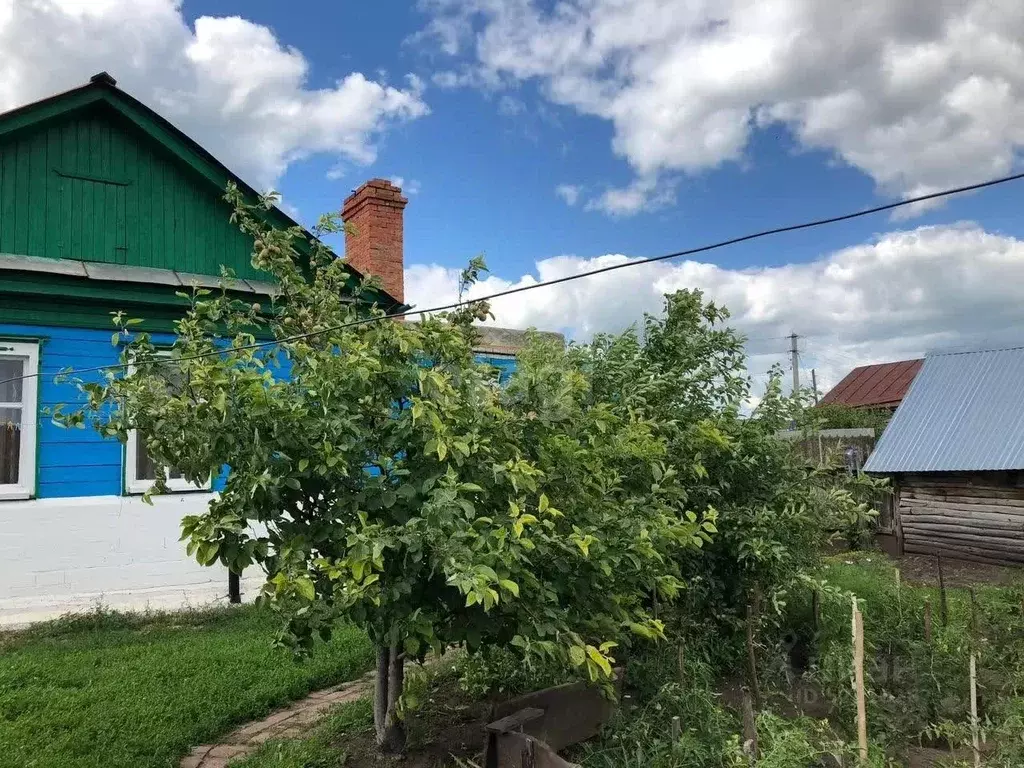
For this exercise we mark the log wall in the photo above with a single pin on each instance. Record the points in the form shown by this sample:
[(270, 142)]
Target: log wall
[(973, 516)]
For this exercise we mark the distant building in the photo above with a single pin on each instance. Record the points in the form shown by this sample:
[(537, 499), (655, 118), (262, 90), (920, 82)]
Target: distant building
[(955, 453), (879, 386)]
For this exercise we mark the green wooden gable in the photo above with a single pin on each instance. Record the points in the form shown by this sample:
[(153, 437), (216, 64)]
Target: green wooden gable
[(90, 186), (94, 177)]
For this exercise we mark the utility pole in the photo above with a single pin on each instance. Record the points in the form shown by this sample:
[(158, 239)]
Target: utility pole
[(821, 446), (795, 353)]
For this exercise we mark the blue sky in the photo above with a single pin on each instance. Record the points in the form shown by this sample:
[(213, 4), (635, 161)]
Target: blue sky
[(674, 123), (487, 178)]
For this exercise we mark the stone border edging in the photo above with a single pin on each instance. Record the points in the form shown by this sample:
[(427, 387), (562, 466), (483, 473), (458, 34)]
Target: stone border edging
[(291, 722)]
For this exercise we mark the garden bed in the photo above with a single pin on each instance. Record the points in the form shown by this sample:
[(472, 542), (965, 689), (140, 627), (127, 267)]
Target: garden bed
[(806, 715)]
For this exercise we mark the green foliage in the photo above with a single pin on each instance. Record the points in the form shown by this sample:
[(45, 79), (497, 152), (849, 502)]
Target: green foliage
[(803, 741), (640, 735), (773, 513), (495, 670), (837, 416), (379, 476), (114, 690)]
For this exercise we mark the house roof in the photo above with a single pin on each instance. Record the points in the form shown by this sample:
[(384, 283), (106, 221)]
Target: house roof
[(881, 385), (508, 341), (102, 90), (964, 412)]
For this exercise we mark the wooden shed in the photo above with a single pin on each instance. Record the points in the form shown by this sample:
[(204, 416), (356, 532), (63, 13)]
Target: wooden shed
[(954, 451)]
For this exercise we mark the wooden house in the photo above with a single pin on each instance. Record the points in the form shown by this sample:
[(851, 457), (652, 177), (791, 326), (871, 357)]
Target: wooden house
[(106, 206), (955, 453)]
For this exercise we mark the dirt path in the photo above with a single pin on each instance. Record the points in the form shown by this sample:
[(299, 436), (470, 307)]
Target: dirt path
[(923, 570), (291, 722)]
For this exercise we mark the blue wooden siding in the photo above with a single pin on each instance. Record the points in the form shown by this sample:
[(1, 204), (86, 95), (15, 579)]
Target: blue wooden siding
[(70, 462), (505, 365), (78, 462)]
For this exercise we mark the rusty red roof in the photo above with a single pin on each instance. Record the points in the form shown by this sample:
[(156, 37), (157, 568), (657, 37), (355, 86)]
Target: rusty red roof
[(874, 386)]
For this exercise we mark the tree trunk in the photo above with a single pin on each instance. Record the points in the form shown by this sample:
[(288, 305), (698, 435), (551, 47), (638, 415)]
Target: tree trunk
[(234, 588), (387, 689)]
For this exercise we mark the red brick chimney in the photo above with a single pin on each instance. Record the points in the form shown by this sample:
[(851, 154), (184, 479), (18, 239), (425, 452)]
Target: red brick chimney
[(375, 248)]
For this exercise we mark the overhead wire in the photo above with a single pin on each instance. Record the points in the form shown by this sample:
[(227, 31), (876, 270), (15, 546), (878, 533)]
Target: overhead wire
[(560, 280)]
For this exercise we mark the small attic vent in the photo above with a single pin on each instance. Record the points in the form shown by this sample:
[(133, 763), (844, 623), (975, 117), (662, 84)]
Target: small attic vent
[(104, 78)]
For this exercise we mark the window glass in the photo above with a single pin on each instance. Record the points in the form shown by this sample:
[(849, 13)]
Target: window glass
[(11, 393)]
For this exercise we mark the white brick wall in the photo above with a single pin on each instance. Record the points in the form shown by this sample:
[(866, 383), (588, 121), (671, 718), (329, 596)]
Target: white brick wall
[(69, 555)]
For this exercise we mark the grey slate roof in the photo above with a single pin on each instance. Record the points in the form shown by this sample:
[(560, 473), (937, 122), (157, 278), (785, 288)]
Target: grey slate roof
[(964, 412), (128, 274)]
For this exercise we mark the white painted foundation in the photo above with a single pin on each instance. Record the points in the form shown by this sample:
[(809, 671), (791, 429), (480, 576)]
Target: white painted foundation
[(60, 556)]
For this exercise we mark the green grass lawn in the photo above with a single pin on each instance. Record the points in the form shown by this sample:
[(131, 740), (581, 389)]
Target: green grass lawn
[(138, 691)]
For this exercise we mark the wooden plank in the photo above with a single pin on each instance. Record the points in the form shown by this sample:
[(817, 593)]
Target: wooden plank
[(52, 218), (37, 196), (916, 548), (7, 174), (129, 160), (515, 721), (858, 671), (958, 540), (964, 490), (927, 545), (160, 216), (968, 518), (967, 537), (22, 205), (978, 498), (77, 211), (913, 505), (934, 522), (68, 145), (90, 246)]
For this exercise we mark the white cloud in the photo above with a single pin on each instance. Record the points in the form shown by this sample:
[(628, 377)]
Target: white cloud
[(918, 95), (570, 193), (895, 298), (642, 194), (227, 82), (409, 187)]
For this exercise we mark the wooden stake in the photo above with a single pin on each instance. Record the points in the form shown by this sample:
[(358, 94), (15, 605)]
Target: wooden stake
[(753, 612), (858, 673), (853, 642), (749, 728), (677, 729), (974, 614), (928, 621), (816, 611), (975, 741), (943, 607)]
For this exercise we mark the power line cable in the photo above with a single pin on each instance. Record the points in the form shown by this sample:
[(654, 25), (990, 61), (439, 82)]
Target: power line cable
[(569, 278)]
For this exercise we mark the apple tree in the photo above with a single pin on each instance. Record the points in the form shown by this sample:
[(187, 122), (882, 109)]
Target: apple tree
[(379, 475)]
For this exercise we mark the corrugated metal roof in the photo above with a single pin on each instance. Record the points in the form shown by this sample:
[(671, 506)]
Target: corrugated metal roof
[(964, 412), (881, 385)]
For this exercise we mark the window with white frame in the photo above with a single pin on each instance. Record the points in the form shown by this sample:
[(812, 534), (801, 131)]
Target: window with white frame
[(19, 417), (139, 467)]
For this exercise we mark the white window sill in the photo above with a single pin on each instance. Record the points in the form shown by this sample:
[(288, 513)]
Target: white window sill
[(139, 488), (14, 493)]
